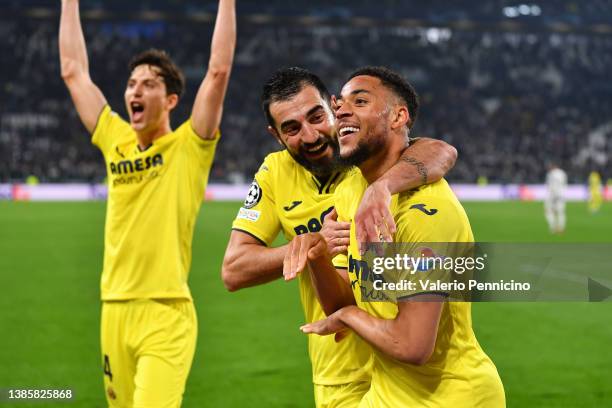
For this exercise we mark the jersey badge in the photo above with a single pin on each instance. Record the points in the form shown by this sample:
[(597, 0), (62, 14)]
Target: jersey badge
[(253, 196)]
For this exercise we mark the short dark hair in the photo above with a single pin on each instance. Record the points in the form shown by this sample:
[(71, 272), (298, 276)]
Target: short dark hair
[(285, 84), (396, 84), (168, 70)]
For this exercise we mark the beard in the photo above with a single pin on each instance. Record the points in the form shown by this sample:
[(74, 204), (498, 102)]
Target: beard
[(324, 166), (366, 148)]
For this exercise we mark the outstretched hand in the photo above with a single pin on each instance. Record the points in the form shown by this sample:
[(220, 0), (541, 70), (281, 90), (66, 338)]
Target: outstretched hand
[(303, 248), (330, 325)]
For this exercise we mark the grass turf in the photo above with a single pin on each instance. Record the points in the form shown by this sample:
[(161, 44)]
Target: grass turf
[(250, 352)]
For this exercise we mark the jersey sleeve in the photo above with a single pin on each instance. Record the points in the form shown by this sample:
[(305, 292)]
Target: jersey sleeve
[(198, 155), (435, 232), (201, 151), (258, 216), (433, 219), (109, 127)]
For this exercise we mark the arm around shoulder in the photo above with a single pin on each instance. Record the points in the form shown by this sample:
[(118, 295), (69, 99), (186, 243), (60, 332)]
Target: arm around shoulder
[(432, 158)]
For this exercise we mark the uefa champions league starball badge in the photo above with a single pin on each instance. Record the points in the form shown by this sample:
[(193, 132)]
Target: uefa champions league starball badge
[(253, 196)]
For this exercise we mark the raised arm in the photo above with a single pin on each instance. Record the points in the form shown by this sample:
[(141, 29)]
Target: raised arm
[(87, 97), (208, 105), (425, 161)]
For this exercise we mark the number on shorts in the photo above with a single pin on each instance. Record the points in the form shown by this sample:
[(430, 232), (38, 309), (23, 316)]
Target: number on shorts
[(107, 367)]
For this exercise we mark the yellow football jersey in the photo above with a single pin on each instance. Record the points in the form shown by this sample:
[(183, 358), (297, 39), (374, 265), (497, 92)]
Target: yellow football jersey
[(459, 373), (286, 197), (153, 200), (594, 181)]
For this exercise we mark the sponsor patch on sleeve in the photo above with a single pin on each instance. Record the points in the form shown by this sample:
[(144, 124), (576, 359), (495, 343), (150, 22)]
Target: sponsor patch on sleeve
[(246, 214)]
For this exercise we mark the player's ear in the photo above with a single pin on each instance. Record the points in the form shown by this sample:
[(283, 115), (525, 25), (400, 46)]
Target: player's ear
[(171, 101), (274, 133), (334, 103), (401, 117)]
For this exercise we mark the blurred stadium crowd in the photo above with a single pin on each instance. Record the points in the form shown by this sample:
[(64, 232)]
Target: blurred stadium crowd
[(510, 98)]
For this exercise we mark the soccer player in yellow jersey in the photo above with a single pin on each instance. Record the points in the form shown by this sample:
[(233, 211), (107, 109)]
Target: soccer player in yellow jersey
[(595, 195), (293, 193), (425, 351), (156, 181)]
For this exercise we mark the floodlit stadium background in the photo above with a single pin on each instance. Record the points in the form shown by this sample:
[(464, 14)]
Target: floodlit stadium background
[(512, 85)]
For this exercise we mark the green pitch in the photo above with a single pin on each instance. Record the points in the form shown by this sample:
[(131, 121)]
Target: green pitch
[(250, 351)]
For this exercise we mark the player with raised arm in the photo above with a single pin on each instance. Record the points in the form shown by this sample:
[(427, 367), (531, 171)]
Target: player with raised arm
[(425, 351), (156, 181), (293, 193)]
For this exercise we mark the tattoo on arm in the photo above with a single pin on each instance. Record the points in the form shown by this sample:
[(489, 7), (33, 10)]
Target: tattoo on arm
[(421, 169)]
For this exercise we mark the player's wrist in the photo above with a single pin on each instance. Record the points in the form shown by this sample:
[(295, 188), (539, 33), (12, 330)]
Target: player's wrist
[(321, 256), (344, 314), (381, 185)]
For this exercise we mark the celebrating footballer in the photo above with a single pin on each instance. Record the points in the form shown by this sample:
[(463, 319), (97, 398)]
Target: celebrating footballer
[(156, 178)]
